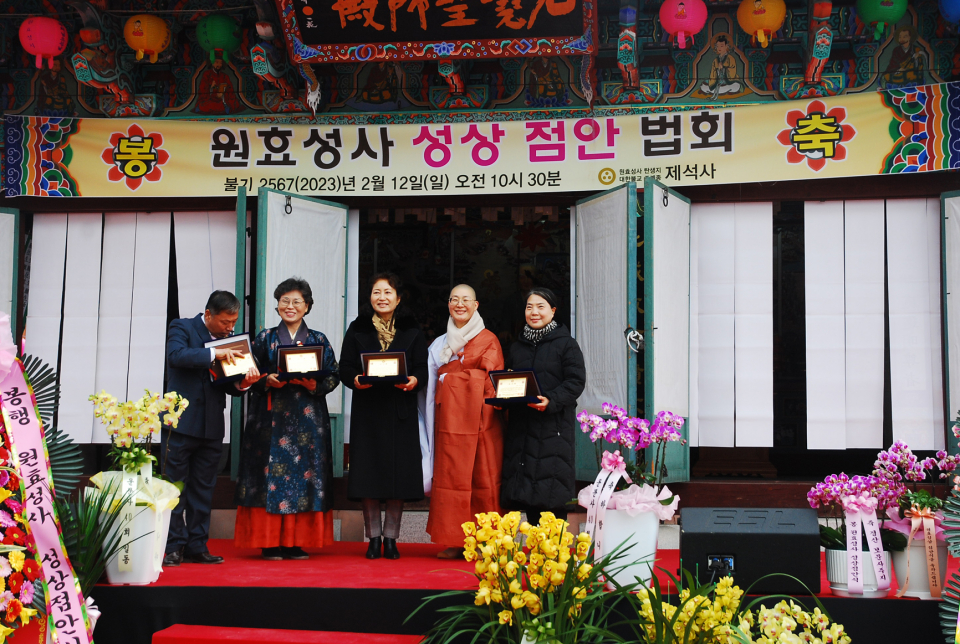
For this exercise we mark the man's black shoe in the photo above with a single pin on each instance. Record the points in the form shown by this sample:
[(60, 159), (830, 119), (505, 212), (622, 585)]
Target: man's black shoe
[(296, 553), (202, 558), (390, 548), (373, 550), (173, 559)]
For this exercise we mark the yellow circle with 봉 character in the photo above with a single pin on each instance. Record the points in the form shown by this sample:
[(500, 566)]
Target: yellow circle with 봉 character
[(607, 176)]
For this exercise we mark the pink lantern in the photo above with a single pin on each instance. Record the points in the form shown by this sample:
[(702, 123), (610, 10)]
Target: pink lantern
[(683, 18), (44, 38)]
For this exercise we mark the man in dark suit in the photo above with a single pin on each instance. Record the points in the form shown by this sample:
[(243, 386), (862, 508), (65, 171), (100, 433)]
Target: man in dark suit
[(191, 450)]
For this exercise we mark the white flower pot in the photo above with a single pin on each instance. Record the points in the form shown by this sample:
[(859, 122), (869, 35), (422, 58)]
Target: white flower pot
[(917, 554), (640, 550), (837, 574), (141, 549), (93, 614)]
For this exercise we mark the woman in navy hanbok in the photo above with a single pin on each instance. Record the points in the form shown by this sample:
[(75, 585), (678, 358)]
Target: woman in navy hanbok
[(285, 483)]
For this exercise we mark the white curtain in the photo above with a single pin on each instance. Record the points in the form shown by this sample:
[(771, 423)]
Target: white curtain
[(81, 305), (844, 256), (913, 279), (826, 362), (601, 260), (731, 307), (951, 228), (293, 250), (8, 270)]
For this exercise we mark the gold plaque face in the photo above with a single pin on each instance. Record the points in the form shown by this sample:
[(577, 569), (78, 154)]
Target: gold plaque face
[(240, 366), (512, 388), (383, 367), (302, 362)]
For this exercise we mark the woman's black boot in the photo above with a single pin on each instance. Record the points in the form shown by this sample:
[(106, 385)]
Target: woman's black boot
[(373, 550), (390, 548)]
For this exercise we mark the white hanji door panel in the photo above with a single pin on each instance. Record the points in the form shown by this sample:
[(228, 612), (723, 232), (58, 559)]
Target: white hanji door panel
[(913, 279), (753, 324), (44, 305), (951, 296), (81, 318), (116, 303), (864, 314), (823, 231)]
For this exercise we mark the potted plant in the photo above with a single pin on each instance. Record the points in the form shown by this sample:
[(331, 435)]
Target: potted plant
[(917, 512), (857, 500), (633, 512), (716, 612), (550, 590), (132, 426)]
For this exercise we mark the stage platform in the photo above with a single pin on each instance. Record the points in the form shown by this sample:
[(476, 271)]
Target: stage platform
[(338, 589)]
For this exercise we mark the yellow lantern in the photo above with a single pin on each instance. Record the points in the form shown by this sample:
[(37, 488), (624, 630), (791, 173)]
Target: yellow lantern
[(761, 18), (146, 34)]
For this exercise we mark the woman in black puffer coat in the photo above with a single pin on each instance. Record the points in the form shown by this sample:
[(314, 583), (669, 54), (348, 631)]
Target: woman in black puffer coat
[(539, 461)]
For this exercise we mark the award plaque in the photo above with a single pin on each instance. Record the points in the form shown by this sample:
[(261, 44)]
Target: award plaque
[(384, 367), (300, 361), (221, 370), (514, 388)]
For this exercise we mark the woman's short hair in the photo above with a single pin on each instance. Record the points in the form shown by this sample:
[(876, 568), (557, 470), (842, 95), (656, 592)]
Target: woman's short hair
[(545, 293), (295, 284), (390, 278)]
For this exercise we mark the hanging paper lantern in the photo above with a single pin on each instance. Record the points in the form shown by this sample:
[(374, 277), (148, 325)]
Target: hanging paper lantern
[(883, 13), (683, 19), (950, 10), (146, 34), (218, 33), (44, 38), (761, 18)]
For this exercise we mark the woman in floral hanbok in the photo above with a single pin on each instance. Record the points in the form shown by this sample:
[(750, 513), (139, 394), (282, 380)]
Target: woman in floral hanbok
[(285, 483)]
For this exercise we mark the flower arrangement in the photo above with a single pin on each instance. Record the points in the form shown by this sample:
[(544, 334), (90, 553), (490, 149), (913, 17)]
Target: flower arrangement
[(634, 435), (714, 613), (549, 590), (136, 420), (19, 568), (838, 489)]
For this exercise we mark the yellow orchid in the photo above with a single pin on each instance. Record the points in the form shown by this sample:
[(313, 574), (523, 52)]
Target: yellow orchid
[(483, 597), (470, 555), (520, 557), (515, 587), (518, 602), (532, 602), (537, 581), (584, 571), (510, 569), (469, 529), (506, 617)]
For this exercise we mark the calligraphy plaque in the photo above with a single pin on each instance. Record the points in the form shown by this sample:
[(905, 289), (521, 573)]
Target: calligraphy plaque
[(512, 388), (327, 31)]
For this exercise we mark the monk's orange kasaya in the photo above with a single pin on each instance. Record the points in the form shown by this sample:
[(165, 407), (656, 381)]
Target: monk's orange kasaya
[(468, 456)]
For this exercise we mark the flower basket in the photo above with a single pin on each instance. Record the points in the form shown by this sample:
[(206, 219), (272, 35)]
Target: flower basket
[(140, 562), (916, 553), (837, 575)]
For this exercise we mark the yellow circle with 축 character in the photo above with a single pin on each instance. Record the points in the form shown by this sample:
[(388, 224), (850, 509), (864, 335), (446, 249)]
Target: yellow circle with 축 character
[(607, 176)]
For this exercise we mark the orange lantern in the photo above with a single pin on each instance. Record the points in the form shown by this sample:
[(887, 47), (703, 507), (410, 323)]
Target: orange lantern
[(146, 34), (761, 18)]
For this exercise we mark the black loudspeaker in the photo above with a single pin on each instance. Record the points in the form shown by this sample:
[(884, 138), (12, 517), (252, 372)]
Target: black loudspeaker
[(749, 543)]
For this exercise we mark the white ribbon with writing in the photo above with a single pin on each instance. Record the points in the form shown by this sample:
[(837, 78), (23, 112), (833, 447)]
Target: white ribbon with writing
[(612, 470), (860, 513)]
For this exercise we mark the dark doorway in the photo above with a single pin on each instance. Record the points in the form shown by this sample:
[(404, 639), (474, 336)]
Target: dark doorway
[(500, 251)]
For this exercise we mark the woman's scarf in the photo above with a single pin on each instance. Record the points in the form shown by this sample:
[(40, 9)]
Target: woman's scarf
[(385, 331), (535, 336), (458, 338)]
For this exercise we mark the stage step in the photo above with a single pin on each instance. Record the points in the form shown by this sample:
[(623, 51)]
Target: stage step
[(187, 634)]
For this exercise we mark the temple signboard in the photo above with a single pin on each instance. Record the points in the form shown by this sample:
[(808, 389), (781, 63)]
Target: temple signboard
[(336, 31)]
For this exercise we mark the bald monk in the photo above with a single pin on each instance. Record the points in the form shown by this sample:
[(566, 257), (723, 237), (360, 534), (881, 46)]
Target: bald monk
[(464, 450)]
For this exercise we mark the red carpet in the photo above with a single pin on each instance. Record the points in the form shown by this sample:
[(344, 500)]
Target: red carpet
[(343, 565), (183, 634)]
